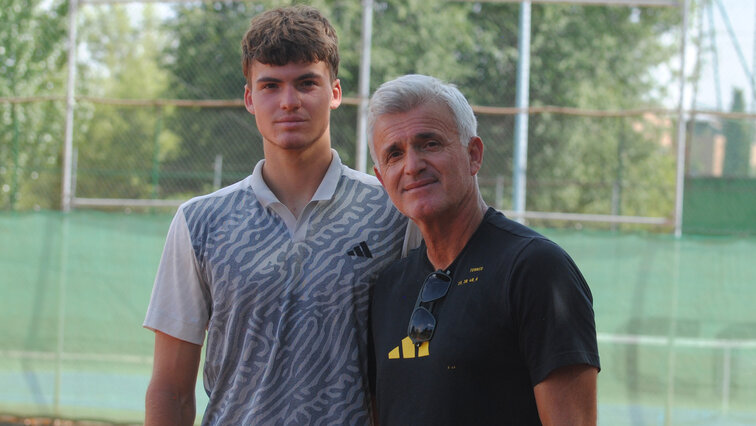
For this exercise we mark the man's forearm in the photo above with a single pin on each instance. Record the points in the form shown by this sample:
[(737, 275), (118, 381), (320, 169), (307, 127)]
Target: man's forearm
[(169, 408)]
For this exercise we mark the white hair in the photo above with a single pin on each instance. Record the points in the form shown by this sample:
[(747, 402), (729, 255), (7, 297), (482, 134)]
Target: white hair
[(410, 91)]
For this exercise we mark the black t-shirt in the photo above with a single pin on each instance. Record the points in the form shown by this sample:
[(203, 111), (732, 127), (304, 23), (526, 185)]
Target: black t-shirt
[(518, 308)]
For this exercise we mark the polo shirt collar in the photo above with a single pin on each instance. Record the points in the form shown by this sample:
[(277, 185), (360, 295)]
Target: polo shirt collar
[(325, 190)]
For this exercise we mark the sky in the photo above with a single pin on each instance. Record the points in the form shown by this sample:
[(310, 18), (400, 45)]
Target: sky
[(742, 18)]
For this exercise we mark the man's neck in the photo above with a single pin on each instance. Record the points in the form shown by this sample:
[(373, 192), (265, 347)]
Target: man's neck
[(446, 237), (294, 176)]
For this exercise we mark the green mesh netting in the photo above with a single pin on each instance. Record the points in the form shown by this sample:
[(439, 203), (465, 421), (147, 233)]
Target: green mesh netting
[(677, 330)]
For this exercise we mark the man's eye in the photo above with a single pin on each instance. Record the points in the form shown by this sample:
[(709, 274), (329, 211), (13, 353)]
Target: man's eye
[(393, 155)]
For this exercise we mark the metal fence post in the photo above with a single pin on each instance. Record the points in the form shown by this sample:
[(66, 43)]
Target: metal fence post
[(156, 151), (364, 85), (218, 172), (16, 150), (681, 126), (521, 120), (66, 197)]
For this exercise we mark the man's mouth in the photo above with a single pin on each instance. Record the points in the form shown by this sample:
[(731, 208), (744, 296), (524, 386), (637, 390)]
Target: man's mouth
[(290, 120), (419, 184)]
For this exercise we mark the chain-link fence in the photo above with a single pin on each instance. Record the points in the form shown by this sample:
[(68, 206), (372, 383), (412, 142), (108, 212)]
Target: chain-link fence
[(155, 112), (137, 106), (676, 331)]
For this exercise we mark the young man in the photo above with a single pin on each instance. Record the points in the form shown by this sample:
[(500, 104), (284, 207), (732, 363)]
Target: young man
[(276, 268), (488, 322)]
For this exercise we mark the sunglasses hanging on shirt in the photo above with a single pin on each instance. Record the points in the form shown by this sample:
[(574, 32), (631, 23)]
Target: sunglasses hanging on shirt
[(422, 323)]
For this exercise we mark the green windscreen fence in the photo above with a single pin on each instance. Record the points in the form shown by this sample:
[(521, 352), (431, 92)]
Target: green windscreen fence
[(720, 205), (675, 317)]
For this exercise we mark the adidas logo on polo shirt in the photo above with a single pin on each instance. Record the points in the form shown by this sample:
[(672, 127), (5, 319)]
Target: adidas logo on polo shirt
[(360, 250)]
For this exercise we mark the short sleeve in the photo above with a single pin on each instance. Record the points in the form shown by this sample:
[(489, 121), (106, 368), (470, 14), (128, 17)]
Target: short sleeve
[(552, 307), (180, 303)]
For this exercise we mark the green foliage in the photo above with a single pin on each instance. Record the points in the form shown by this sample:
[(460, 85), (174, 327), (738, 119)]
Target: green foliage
[(598, 58), (204, 62), (738, 136), (120, 147), (32, 55), (590, 57), (581, 56), (425, 37), (122, 52), (204, 57), (32, 48)]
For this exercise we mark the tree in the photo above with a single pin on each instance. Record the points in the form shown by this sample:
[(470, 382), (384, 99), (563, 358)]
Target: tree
[(738, 135), (32, 59), (120, 147), (600, 58), (205, 63), (581, 56)]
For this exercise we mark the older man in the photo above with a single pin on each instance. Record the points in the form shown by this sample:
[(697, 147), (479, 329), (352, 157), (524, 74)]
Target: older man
[(488, 322)]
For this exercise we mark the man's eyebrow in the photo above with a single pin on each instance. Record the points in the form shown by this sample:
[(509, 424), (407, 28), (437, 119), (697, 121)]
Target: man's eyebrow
[(426, 135), (268, 80), (308, 76), (305, 76), (422, 136)]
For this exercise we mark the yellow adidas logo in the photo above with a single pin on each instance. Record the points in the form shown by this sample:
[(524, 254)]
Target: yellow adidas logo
[(408, 350)]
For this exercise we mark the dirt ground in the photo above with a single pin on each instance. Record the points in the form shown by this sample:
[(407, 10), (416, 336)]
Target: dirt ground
[(6, 420)]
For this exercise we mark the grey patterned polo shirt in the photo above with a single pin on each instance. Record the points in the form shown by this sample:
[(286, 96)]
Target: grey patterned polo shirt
[(284, 300)]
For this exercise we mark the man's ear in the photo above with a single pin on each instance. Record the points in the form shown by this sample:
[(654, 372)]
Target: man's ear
[(378, 174), (336, 98), (248, 100), (475, 151)]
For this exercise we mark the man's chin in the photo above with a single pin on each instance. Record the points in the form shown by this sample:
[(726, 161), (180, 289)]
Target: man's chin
[(293, 144), (421, 211)]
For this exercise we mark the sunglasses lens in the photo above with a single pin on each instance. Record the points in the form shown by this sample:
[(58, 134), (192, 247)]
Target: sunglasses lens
[(436, 286), (422, 324)]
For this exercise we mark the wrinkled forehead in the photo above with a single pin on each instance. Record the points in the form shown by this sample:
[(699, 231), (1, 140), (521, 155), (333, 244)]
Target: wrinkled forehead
[(426, 121)]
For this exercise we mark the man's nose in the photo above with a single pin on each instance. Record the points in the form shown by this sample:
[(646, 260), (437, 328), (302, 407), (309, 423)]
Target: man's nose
[(414, 162), (290, 98)]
